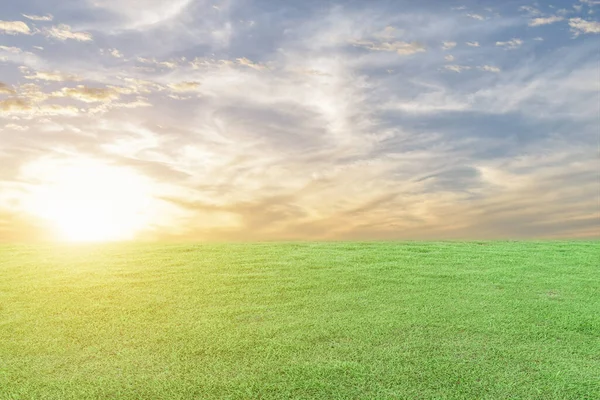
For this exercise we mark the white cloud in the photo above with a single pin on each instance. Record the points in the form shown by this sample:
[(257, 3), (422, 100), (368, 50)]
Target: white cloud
[(48, 17), (530, 10), (591, 2), (448, 45), (457, 68), (14, 27), (538, 39), (172, 64), (402, 48), (511, 44), (142, 85), (53, 76), (449, 57), (250, 64), (545, 21), (476, 16), (11, 49), (579, 26), (64, 32), (115, 53), (489, 68), (184, 86), (473, 44)]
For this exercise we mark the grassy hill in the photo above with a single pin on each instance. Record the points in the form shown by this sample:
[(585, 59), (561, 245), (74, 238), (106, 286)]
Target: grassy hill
[(379, 320)]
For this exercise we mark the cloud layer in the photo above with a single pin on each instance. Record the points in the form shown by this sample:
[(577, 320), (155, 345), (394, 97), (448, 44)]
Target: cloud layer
[(327, 120)]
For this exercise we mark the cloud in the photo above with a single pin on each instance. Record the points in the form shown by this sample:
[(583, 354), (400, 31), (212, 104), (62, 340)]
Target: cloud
[(11, 49), (545, 21), (138, 14), (184, 86), (109, 105), (14, 105), (489, 68), (250, 64), (53, 76), (511, 44), (115, 53), (143, 85), (14, 27), (152, 61), (48, 17), (579, 26), (64, 32), (399, 47), (476, 16), (449, 57), (457, 68), (448, 45), (16, 127), (89, 94), (472, 44), (590, 2), (530, 10), (5, 89)]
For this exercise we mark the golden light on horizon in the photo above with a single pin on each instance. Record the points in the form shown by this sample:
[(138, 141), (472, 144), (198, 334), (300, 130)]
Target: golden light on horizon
[(89, 201)]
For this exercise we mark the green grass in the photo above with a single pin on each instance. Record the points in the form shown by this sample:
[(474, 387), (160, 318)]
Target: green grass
[(381, 320)]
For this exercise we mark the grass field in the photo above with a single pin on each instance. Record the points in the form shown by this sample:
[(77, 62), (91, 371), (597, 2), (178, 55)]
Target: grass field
[(381, 320)]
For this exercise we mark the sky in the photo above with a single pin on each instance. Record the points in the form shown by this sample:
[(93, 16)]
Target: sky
[(299, 120)]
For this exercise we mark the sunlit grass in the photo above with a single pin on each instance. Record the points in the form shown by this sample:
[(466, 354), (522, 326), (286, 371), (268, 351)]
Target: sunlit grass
[(472, 320)]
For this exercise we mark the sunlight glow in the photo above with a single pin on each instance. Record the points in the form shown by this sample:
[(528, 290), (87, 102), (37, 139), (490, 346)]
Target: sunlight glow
[(87, 200)]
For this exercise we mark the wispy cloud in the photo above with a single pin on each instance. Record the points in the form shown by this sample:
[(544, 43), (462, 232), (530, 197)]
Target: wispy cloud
[(457, 68), (531, 10), (545, 21), (476, 16), (11, 49), (489, 68), (510, 44), (65, 32), (399, 47), (14, 27), (88, 94), (53, 76), (184, 86), (40, 18)]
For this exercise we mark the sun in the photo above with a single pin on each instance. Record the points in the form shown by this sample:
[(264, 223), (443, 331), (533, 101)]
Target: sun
[(89, 201)]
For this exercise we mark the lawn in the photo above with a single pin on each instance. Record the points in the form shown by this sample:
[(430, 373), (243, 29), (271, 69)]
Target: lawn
[(373, 320)]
